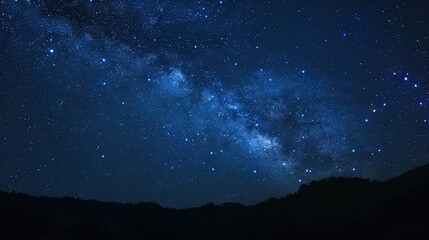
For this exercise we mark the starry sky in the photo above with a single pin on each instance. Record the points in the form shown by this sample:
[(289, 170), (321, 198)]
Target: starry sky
[(187, 102)]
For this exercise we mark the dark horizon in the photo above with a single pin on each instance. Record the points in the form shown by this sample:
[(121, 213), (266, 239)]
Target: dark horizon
[(272, 198), (286, 195), (334, 208)]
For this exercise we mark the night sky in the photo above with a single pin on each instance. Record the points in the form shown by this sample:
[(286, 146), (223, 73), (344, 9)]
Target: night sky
[(188, 102)]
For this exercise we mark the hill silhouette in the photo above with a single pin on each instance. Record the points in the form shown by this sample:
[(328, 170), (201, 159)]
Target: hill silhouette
[(333, 208)]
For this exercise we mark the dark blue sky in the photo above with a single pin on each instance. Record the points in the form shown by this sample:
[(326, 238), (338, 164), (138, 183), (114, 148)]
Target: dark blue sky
[(188, 102)]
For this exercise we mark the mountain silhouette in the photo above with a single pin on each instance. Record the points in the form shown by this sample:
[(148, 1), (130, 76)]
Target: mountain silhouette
[(333, 208)]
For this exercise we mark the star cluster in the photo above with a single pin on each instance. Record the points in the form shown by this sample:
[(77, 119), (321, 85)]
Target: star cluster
[(188, 102)]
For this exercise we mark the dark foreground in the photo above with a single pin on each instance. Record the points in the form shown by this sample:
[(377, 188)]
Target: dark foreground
[(336, 208)]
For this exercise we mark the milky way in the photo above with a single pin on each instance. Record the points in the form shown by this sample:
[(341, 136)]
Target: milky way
[(188, 102)]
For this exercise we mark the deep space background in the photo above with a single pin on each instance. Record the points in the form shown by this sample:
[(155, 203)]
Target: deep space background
[(188, 102)]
